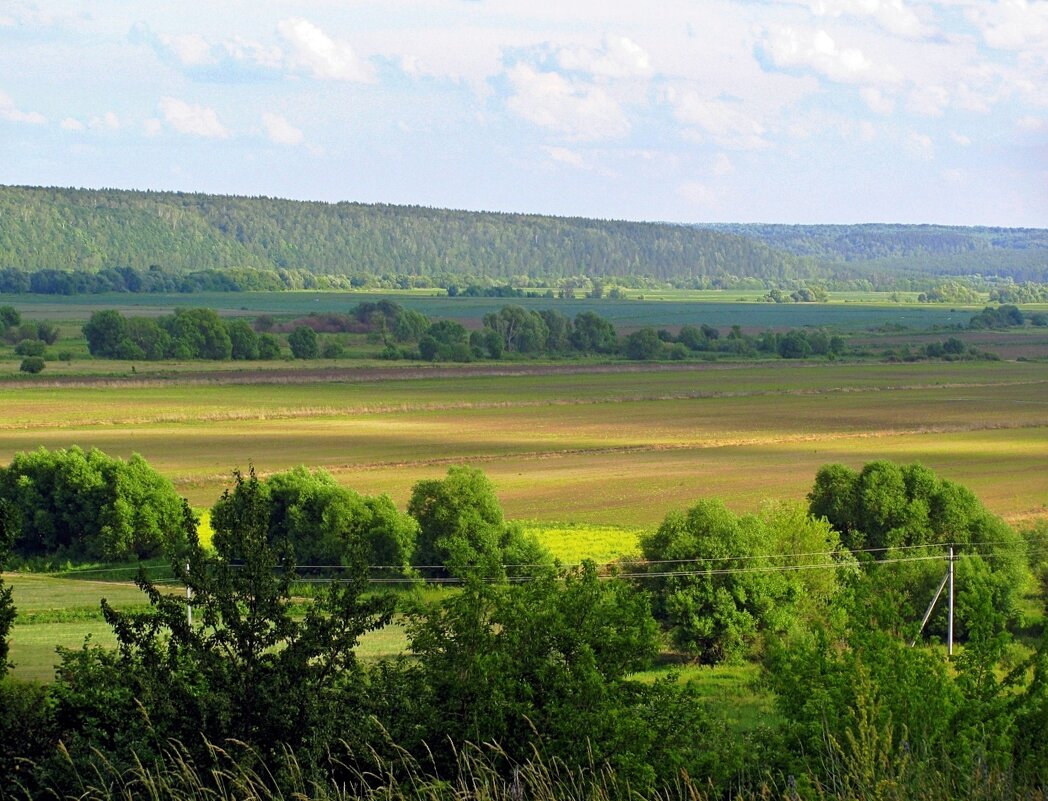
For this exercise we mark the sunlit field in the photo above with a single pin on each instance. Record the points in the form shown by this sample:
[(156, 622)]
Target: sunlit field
[(614, 448)]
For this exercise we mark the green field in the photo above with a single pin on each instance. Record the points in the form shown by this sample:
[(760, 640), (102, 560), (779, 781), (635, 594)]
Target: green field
[(724, 308)]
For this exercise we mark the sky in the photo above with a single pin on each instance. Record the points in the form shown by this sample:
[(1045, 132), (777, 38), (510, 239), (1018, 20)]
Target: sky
[(788, 111)]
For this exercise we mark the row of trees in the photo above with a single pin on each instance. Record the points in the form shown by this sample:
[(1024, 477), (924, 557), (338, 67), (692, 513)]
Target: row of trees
[(187, 334), (544, 669)]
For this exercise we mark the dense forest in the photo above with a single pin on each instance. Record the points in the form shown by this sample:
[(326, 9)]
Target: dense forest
[(1017, 253), (89, 231)]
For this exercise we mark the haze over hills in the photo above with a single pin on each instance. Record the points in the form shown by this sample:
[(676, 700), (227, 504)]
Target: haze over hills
[(92, 230)]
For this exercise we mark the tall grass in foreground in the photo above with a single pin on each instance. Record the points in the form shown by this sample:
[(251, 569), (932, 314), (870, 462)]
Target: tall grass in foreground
[(484, 773)]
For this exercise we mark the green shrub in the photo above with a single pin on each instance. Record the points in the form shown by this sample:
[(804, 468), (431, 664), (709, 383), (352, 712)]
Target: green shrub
[(32, 365)]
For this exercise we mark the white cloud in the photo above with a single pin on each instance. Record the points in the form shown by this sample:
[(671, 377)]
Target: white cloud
[(789, 48), (320, 56), (619, 57), (281, 131), (192, 50), (928, 100), (563, 155), (578, 110), (10, 112), (107, 122), (1031, 124), (192, 119), (722, 165), (699, 194), (920, 145), (726, 123), (892, 15), (877, 101), (960, 139), (1011, 24), (71, 124), (152, 127), (954, 176)]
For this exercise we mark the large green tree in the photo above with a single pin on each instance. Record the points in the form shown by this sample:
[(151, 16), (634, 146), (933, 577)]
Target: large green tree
[(717, 579), (252, 673), (86, 504), (322, 522), (461, 526), (888, 511)]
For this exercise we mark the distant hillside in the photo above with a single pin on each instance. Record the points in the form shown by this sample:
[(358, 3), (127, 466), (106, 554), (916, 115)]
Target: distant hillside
[(1018, 253), (91, 230)]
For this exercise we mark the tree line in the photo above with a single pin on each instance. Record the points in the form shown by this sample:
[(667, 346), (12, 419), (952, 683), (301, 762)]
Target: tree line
[(539, 661)]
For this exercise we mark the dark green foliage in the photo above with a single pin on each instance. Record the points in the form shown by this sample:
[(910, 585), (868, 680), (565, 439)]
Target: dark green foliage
[(520, 330), (30, 347), (591, 333), (146, 334), (8, 531), (644, 345), (1003, 316), (461, 526), (243, 340), (198, 334), (32, 365), (47, 332), (89, 505), (410, 326), (9, 318), (213, 242), (304, 343), (714, 584), (250, 673), (104, 332), (887, 506), (27, 735), (320, 521), (445, 341), (542, 668), (268, 347)]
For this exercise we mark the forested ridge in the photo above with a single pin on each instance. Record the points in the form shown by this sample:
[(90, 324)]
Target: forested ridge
[(1018, 253), (90, 230)]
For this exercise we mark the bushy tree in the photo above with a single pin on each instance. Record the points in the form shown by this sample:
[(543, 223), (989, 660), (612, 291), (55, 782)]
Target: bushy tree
[(521, 331), (268, 347), (445, 341), (591, 333), (887, 506), (243, 340), (716, 584), (304, 343), (105, 330), (644, 345), (322, 522), (251, 674), (198, 334), (32, 365), (543, 668), (461, 526), (79, 504), (410, 326)]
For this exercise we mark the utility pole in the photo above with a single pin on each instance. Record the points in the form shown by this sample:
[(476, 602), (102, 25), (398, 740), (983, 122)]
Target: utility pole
[(949, 632), (947, 579)]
